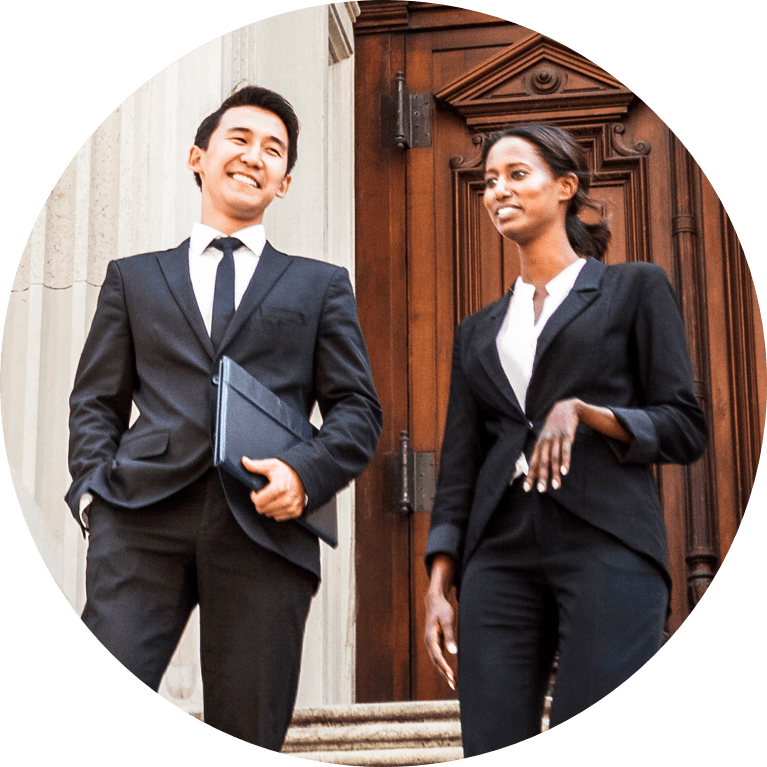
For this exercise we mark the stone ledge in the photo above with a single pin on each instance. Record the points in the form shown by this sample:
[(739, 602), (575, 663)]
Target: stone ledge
[(374, 735), (362, 712), (402, 757)]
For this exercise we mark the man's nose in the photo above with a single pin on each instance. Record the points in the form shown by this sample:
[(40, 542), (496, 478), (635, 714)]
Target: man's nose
[(253, 156)]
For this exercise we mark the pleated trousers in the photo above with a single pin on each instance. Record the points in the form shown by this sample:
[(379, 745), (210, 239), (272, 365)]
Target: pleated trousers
[(544, 581), (147, 569)]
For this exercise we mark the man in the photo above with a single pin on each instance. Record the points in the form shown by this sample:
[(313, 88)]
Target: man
[(162, 537)]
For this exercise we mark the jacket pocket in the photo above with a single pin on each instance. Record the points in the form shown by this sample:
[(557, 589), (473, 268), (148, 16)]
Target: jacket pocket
[(144, 445), (279, 314)]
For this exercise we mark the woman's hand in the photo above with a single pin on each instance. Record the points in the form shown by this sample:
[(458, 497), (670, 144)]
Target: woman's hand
[(550, 460), (439, 634), (551, 455)]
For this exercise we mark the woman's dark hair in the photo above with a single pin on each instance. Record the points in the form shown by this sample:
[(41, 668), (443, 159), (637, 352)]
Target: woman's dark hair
[(252, 96), (562, 153)]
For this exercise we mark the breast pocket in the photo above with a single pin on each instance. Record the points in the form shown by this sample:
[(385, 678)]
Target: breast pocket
[(279, 316)]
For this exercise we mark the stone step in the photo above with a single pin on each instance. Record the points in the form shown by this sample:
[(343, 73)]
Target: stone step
[(370, 734), (394, 757)]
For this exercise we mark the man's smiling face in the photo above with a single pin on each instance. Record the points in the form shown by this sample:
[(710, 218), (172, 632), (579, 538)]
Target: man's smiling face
[(243, 168)]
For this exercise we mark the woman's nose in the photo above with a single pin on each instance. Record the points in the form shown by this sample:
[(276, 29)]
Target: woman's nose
[(500, 188)]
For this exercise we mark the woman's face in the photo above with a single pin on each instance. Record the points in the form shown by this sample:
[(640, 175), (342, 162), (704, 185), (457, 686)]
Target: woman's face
[(522, 196)]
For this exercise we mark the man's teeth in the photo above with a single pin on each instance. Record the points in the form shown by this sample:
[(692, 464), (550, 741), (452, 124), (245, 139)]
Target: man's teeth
[(245, 179)]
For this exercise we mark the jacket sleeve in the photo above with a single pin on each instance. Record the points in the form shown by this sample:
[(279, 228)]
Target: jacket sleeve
[(100, 403), (668, 425), (343, 387), (460, 462)]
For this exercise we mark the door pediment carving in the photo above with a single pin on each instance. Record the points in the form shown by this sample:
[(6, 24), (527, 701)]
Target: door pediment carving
[(536, 80)]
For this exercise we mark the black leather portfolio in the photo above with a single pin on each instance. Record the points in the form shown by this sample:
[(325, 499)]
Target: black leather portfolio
[(253, 421)]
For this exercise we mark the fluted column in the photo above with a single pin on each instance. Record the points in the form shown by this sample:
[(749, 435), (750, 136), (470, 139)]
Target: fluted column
[(701, 532)]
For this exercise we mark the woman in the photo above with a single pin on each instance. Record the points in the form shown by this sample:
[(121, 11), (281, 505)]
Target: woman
[(563, 394)]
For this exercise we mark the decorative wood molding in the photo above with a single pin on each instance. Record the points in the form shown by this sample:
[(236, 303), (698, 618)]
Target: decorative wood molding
[(743, 363), (378, 16), (637, 149), (536, 80), (702, 554)]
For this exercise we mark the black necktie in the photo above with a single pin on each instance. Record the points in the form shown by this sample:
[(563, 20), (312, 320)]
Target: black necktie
[(223, 295)]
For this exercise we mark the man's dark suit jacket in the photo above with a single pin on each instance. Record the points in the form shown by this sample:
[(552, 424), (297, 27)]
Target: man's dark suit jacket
[(296, 330), (617, 340)]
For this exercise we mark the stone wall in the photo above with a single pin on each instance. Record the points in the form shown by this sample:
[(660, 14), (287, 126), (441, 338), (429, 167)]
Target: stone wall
[(128, 190)]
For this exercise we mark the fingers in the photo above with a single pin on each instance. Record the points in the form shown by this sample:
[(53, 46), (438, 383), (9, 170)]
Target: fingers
[(434, 647), (567, 447), (283, 497), (550, 461), (449, 638), (556, 463), (440, 633)]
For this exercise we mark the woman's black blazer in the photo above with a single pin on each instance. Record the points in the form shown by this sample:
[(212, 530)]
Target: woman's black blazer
[(617, 340)]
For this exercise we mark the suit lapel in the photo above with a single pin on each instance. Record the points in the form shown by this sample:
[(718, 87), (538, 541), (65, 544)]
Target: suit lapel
[(584, 292), (488, 351), (271, 266), (175, 267)]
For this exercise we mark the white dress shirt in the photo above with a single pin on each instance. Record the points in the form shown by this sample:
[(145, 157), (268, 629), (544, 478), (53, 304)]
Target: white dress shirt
[(203, 262), (518, 337)]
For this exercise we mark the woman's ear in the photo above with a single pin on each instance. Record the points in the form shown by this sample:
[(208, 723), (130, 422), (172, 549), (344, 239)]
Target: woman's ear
[(568, 186)]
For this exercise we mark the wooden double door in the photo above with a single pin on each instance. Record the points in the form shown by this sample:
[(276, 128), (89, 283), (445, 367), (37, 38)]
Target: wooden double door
[(430, 80)]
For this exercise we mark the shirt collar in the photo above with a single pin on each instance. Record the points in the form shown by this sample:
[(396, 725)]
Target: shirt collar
[(558, 286), (252, 237)]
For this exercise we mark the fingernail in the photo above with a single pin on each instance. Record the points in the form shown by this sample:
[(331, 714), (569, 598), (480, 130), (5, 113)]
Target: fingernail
[(451, 647), (555, 484), (526, 487), (452, 686), (541, 487), (563, 471)]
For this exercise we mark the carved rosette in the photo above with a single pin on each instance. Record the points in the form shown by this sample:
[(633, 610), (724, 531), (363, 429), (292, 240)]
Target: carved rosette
[(544, 79)]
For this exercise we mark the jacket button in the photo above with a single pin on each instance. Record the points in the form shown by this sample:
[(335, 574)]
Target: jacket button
[(215, 379)]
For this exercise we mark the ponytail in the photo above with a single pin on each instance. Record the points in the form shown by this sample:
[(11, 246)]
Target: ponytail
[(587, 239)]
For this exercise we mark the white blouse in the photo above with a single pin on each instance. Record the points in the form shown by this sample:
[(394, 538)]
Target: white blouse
[(518, 337)]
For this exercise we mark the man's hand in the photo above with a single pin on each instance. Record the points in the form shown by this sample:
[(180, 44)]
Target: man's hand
[(283, 498)]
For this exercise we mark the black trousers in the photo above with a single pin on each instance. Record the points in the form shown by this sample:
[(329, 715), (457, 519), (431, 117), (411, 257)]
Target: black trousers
[(543, 581), (146, 571)]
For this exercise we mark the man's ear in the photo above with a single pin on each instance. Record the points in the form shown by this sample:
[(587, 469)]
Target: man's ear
[(193, 161), (568, 186), (284, 186)]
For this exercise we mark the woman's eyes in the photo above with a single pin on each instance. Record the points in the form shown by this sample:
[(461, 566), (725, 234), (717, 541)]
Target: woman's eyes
[(515, 175)]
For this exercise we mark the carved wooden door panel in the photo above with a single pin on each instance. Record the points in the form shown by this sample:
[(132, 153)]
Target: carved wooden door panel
[(427, 255)]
